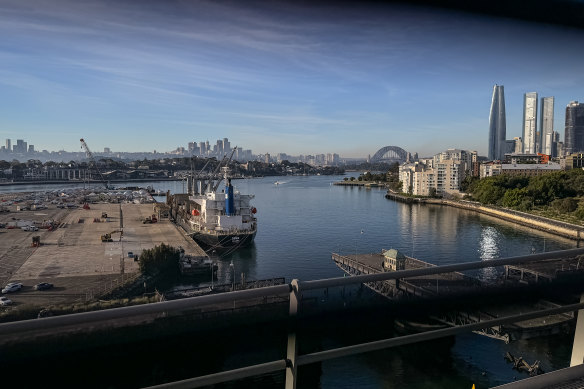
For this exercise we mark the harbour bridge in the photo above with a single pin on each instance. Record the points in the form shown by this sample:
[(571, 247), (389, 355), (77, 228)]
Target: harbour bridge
[(390, 154)]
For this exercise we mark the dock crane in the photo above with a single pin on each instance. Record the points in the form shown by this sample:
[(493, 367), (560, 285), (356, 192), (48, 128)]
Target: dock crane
[(93, 161)]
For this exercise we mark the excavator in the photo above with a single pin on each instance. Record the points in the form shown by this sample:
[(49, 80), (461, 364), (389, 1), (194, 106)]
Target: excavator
[(108, 237)]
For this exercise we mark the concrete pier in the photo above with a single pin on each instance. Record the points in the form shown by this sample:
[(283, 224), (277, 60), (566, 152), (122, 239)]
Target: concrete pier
[(74, 258)]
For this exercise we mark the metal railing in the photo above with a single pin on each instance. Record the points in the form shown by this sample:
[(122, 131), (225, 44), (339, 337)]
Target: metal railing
[(293, 361)]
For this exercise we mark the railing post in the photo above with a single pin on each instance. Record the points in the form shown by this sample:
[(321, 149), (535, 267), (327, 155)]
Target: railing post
[(578, 347), (292, 351)]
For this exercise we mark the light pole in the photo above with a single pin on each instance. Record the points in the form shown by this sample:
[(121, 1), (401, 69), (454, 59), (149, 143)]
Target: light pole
[(211, 264)]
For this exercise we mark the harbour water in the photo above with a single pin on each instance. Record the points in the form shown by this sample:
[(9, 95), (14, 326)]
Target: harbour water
[(305, 218)]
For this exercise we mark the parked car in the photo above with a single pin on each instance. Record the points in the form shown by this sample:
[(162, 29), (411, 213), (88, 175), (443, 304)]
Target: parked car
[(43, 286), (130, 254), (5, 301), (12, 287)]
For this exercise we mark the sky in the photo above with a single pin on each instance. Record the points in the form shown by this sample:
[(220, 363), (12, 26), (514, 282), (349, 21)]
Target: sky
[(290, 77)]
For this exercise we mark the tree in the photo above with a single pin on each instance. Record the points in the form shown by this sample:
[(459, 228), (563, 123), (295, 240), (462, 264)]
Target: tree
[(514, 197), (159, 259)]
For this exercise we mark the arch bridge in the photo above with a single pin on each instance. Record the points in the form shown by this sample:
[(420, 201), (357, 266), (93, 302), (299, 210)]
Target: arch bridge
[(390, 154)]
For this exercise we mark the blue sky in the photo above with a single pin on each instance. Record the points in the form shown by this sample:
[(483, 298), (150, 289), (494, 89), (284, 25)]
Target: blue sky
[(271, 76)]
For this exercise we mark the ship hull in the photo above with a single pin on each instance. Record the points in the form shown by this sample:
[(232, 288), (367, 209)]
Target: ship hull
[(214, 241)]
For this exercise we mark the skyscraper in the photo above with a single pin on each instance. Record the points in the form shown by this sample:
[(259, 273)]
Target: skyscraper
[(546, 125), (574, 135), (8, 145), (529, 122), (497, 125)]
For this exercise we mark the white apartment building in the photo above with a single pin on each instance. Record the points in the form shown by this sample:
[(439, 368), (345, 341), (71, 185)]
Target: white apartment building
[(443, 173)]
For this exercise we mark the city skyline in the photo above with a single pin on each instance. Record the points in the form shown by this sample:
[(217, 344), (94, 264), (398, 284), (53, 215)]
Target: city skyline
[(280, 77)]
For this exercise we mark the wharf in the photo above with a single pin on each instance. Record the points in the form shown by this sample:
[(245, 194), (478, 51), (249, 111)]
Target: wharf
[(456, 284), (426, 286), (73, 257), (367, 184), (545, 271)]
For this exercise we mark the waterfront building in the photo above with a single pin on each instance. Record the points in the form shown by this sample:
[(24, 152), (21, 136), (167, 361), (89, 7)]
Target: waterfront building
[(574, 135), (522, 158), (393, 260), (530, 169), (529, 123), (475, 164), (518, 169), (546, 125), (497, 124), (490, 169), (407, 177), (439, 175)]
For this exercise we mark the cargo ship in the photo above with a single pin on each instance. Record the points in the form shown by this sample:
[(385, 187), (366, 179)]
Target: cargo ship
[(221, 219)]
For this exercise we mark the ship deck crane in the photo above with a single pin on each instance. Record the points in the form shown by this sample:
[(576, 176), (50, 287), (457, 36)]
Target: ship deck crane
[(92, 160), (218, 166)]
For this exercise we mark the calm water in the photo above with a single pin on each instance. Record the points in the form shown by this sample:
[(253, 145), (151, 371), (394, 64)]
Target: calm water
[(303, 219)]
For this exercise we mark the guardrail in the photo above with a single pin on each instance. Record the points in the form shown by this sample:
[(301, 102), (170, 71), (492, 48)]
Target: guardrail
[(293, 361)]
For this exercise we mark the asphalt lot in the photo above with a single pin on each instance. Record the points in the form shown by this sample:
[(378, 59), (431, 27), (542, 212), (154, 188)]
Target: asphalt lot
[(73, 257)]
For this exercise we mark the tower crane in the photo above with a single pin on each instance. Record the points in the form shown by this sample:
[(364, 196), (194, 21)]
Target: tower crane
[(92, 160)]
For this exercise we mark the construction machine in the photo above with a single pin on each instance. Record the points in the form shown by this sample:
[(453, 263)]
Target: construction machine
[(108, 237)]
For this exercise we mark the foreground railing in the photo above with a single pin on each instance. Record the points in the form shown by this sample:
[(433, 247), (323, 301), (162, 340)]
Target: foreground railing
[(293, 360)]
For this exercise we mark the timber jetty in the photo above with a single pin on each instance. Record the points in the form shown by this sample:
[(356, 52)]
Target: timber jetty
[(454, 286)]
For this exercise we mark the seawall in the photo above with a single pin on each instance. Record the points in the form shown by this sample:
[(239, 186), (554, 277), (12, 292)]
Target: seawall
[(568, 230)]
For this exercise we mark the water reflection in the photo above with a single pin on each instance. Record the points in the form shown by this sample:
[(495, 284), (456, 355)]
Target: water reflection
[(489, 249)]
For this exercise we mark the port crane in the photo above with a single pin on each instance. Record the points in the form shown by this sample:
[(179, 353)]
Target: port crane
[(93, 161)]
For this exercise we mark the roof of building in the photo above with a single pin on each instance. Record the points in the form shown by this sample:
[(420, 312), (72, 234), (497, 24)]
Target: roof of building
[(531, 166), (393, 254)]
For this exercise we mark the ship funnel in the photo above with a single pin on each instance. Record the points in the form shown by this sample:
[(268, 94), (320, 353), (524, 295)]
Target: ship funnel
[(229, 203)]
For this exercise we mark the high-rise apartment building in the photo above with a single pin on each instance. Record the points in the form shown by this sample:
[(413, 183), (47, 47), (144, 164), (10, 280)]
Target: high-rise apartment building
[(226, 146), (497, 124), (529, 123), (574, 135), (546, 125), (8, 145)]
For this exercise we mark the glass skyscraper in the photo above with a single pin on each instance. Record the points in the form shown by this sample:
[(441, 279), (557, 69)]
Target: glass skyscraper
[(497, 125), (529, 123), (574, 135), (546, 125)]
